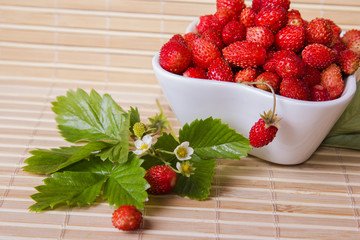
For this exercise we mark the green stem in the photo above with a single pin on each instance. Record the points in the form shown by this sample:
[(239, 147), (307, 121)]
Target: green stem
[(164, 151), (170, 128)]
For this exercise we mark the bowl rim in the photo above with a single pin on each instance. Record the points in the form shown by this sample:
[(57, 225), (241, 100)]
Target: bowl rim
[(349, 89)]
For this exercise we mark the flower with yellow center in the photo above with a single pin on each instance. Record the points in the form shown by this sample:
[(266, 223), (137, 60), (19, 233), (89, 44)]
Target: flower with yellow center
[(185, 168), (142, 145), (183, 151)]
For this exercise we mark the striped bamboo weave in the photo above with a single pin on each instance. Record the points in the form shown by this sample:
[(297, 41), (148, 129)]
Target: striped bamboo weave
[(50, 46)]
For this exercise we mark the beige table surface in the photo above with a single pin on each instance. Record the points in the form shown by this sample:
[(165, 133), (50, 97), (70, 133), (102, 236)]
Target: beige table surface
[(50, 46)]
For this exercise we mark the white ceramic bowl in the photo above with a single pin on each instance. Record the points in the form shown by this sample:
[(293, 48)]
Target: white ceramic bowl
[(303, 127)]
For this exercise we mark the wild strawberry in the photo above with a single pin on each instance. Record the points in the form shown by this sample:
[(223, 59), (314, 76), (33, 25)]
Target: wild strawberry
[(331, 79), (295, 88), (290, 65), (336, 31), (338, 48), (290, 38), (189, 38), (225, 15), (174, 57), (319, 93), (264, 130), (282, 3), (271, 61), (213, 36), (219, 70), (261, 35), (295, 19), (206, 22), (312, 76), (273, 17), (236, 5), (348, 35), (161, 178), (349, 61), (232, 32), (195, 72), (247, 17), (178, 38), (245, 75), (245, 54), (204, 52), (126, 218), (256, 5), (354, 44), (318, 56), (319, 31), (268, 77)]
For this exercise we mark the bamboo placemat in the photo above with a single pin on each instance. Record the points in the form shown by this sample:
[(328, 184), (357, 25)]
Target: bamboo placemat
[(50, 46)]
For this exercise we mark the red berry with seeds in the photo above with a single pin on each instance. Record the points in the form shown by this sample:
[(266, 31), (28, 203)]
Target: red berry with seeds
[(312, 76), (195, 72), (213, 36), (290, 65), (162, 179), (270, 78), (331, 79), (247, 17), (290, 38), (246, 75), (245, 54), (354, 44), (349, 61), (348, 35), (318, 56), (319, 93), (273, 17), (295, 88), (319, 31), (225, 15), (261, 35), (232, 32), (236, 5), (126, 218), (282, 3), (264, 130), (174, 57), (204, 52), (219, 70), (206, 22)]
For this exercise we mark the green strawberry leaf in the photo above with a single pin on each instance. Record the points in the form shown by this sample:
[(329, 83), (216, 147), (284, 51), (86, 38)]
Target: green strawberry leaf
[(134, 116), (210, 138), (351, 141), (49, 161), (83, 117), (198, 185), (126, 184)]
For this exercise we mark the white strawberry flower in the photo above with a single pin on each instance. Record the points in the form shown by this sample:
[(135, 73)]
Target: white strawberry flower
[(142, 145), (183, 151), (185, 168)]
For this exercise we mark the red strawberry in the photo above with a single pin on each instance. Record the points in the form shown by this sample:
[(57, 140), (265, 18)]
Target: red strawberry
[(273, 17), (213, 36), (246, 75), (247, 17), (295, 19), (319, 31), (336, 31), (290, 65), (319, 93), (204, 52), (174, 57), (331, 79), (195, 72), (126, 218), (206, 22), (269, 77), (282, 3), (219, 70), (236, 5), (318, 56), (245, 54), (348, 35), (178, 38), (232, 32), (271, 61), (338, 48), (292, 87), (349, 61), (312, 76), (290, 38), (256, 5), (161, 178), (354, 44), (225, 15), (261, 35), (190, 38), (264, 130)]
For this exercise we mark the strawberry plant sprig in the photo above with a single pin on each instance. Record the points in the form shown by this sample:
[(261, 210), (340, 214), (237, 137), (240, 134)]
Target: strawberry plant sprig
[(113, 151)]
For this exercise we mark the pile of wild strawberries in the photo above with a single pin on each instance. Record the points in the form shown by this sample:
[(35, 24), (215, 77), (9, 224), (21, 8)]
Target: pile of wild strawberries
[(267, 42)]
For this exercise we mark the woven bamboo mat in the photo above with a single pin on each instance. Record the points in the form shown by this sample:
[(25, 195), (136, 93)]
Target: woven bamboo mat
[(50, 46)]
